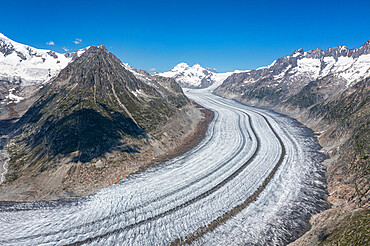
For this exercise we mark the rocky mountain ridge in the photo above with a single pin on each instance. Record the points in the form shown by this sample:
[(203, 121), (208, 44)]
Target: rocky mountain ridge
[(97, 116), (24, 69), (329, 92), (288, 75)]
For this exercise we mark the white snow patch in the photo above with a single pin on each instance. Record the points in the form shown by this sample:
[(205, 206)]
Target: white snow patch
[(357, 70), (272, 64), (282, 74), (12, 97), (32, 65)]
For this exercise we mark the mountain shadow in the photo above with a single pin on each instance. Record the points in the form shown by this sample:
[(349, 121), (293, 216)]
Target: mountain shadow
[(96, 105), (86, 131)]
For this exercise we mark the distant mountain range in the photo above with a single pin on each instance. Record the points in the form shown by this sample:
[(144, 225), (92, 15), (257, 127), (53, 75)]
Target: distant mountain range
[(24, 69), (289, 72), (288, 75), (196, 76)]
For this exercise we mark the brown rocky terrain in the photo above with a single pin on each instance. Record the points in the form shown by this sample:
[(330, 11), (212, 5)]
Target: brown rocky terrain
[(344, 137), (182, 133), (96, 123)]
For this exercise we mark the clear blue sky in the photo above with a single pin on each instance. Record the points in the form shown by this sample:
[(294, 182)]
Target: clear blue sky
[(226, 34)]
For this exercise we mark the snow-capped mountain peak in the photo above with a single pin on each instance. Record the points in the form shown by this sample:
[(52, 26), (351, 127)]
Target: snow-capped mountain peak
[(197, 66), (28, 65), (181, 66), (3, 37), (196, 76), (289, 74), (191, 77), (23, 68)]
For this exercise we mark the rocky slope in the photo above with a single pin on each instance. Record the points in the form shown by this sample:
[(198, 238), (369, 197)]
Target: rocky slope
[(287, 76), (329, 92), (98, 121), (23, 70), (195, 76)]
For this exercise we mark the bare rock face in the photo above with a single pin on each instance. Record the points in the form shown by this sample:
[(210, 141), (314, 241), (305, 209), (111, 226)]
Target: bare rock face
[(286, 76), (329, 92), (97, 114)]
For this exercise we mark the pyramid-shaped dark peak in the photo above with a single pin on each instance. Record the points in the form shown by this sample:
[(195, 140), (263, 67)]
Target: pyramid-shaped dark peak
[(99, 71), (97, 50), (99, 68), (94, 105), (94, 48)]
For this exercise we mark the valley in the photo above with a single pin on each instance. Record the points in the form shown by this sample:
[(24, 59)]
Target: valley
[(95, 151), (190, 191)]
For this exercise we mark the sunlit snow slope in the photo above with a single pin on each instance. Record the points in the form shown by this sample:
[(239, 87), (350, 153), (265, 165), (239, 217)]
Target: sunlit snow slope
[(244, 147), (19, 62), (196, 76), (23, 69)]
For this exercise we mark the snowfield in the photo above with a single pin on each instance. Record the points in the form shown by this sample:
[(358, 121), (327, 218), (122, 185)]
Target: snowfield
[(242, 147), (24, 69), (30, 65), (196, 76)]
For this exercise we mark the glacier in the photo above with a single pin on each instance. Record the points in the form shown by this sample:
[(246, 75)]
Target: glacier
[(173, 199)]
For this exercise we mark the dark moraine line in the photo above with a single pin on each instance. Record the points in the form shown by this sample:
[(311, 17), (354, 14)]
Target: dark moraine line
[(199, 197), (213, 225), (27, 206), (148, 203)]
